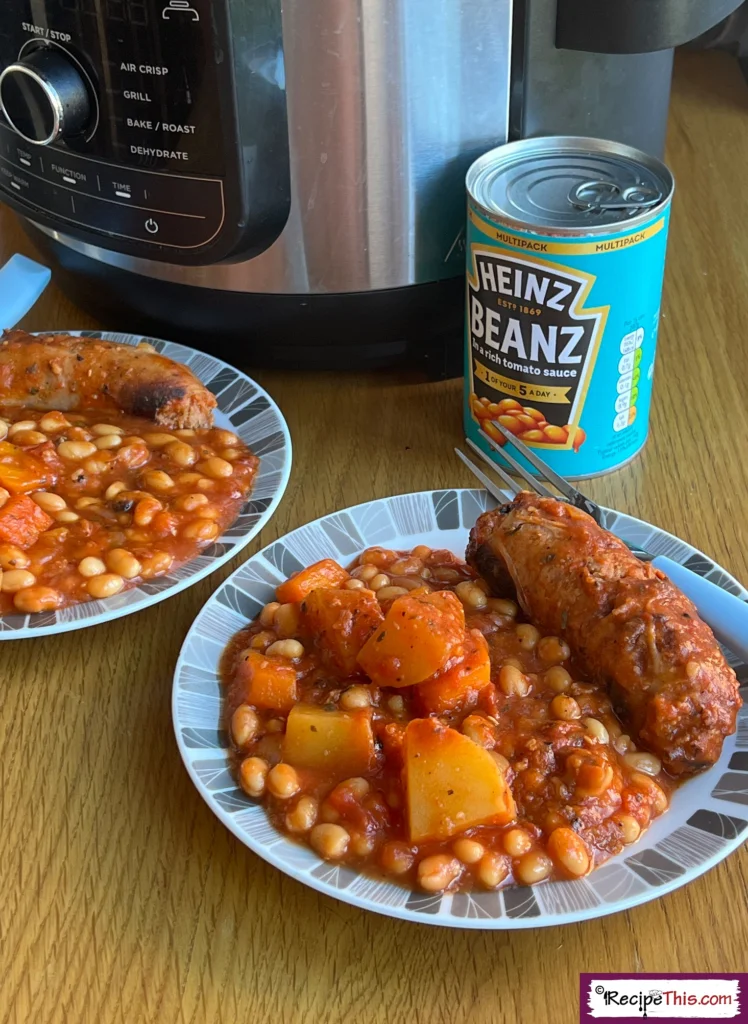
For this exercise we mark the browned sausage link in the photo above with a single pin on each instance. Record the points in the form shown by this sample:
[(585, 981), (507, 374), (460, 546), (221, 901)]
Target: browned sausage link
[(630, 626), (58, 371)]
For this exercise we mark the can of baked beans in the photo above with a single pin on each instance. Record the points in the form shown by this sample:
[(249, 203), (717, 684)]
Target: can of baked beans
[(566, 241)]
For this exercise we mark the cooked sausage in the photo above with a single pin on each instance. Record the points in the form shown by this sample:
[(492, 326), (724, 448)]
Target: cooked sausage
[(624, 620), (57, 371)]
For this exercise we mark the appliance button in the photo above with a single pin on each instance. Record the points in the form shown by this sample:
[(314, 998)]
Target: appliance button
[(179, 7), (44, 97), (151, 226)]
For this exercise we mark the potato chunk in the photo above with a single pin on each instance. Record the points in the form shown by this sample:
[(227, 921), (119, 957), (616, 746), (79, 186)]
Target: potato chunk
[(341, 742), (452, 784)]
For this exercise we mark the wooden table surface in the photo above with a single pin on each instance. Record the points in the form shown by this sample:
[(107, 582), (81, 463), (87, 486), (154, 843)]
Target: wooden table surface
[(123, 899)]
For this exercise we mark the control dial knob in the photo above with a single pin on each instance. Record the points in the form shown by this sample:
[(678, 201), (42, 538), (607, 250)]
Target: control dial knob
[(44, 97)]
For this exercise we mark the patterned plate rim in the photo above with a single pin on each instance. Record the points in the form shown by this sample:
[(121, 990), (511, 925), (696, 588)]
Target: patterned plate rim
[(672, 853), (239, 398)]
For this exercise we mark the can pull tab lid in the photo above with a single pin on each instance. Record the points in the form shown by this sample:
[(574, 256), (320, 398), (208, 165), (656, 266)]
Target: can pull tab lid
[(596, 196)]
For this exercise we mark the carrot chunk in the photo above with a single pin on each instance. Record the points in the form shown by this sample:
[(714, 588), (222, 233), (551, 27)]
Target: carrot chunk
[(22, 521), (458, 685), (340, 622), (325, 574), (265, 682), (418, 637)]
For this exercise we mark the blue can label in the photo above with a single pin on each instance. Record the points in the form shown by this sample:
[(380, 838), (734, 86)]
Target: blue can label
[(560, 339)]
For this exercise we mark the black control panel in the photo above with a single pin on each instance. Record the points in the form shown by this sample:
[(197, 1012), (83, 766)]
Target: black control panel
[(141, 126)]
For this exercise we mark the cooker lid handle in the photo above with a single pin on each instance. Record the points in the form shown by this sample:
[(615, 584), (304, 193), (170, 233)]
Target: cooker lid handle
[(635, 26)]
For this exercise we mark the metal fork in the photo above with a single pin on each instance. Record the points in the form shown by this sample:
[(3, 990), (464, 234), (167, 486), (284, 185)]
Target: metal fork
[(724, 612)]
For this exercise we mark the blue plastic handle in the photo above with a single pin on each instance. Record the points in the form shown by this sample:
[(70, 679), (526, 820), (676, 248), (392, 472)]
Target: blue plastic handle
[(724, 612), (21, 283)]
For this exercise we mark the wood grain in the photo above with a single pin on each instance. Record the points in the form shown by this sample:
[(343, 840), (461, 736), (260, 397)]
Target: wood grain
[(124, 899)]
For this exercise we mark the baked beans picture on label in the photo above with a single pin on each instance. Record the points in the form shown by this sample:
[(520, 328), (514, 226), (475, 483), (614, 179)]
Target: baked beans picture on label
[(526, 423), (112, 471), (405, 717)]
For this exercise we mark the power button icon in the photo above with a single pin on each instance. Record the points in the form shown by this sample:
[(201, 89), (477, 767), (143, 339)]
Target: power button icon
[(151, 226)]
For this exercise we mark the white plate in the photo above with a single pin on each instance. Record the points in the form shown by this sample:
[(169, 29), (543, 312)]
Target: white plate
[(706, 821), (248, 410)]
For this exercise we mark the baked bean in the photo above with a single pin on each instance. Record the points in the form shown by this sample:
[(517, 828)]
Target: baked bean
[(224, 438), (31, 600), (379, 581), (365, 572), (204, 484), (114, 489), (437, 872), (478, 730), (628, 826), (157, 440), (513, 682), (157, 480), (396, 705), (533, 867), (26, 438), (502, 606), (443, 575), (516, 842), (200, 529), (569, 851), (527, 635), (396, 858), (11, 557), (215, 468), (557, 678), (286, 649), (75, 449), (262, 640), (267, 615), (145, 510), (330, 841), (123, 562), (655, 793), (565, 708), (354, 584), (48, 501), (328, 813), (106, 585), (387, 593), (287, 620), (596, 729), (190, 502), (623, 744), (98, 464), (52, 422), (66, 515), (21, 425), (361, 844), (302, 815), (421, 551), (83, 503), (245, 725), (133, 455), (381, 557), (553, 650), (134, 439), (106, 430), (468, 850), (180, 453), (4, 495), (253, 773), (283, 781), (355, 697), (156, 564), (644, 762), (275, 725), (108, 441), (16, 579), (4, 427), (492, 870), (357, 786), (91, 566), (185, 432), (471, 595)]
